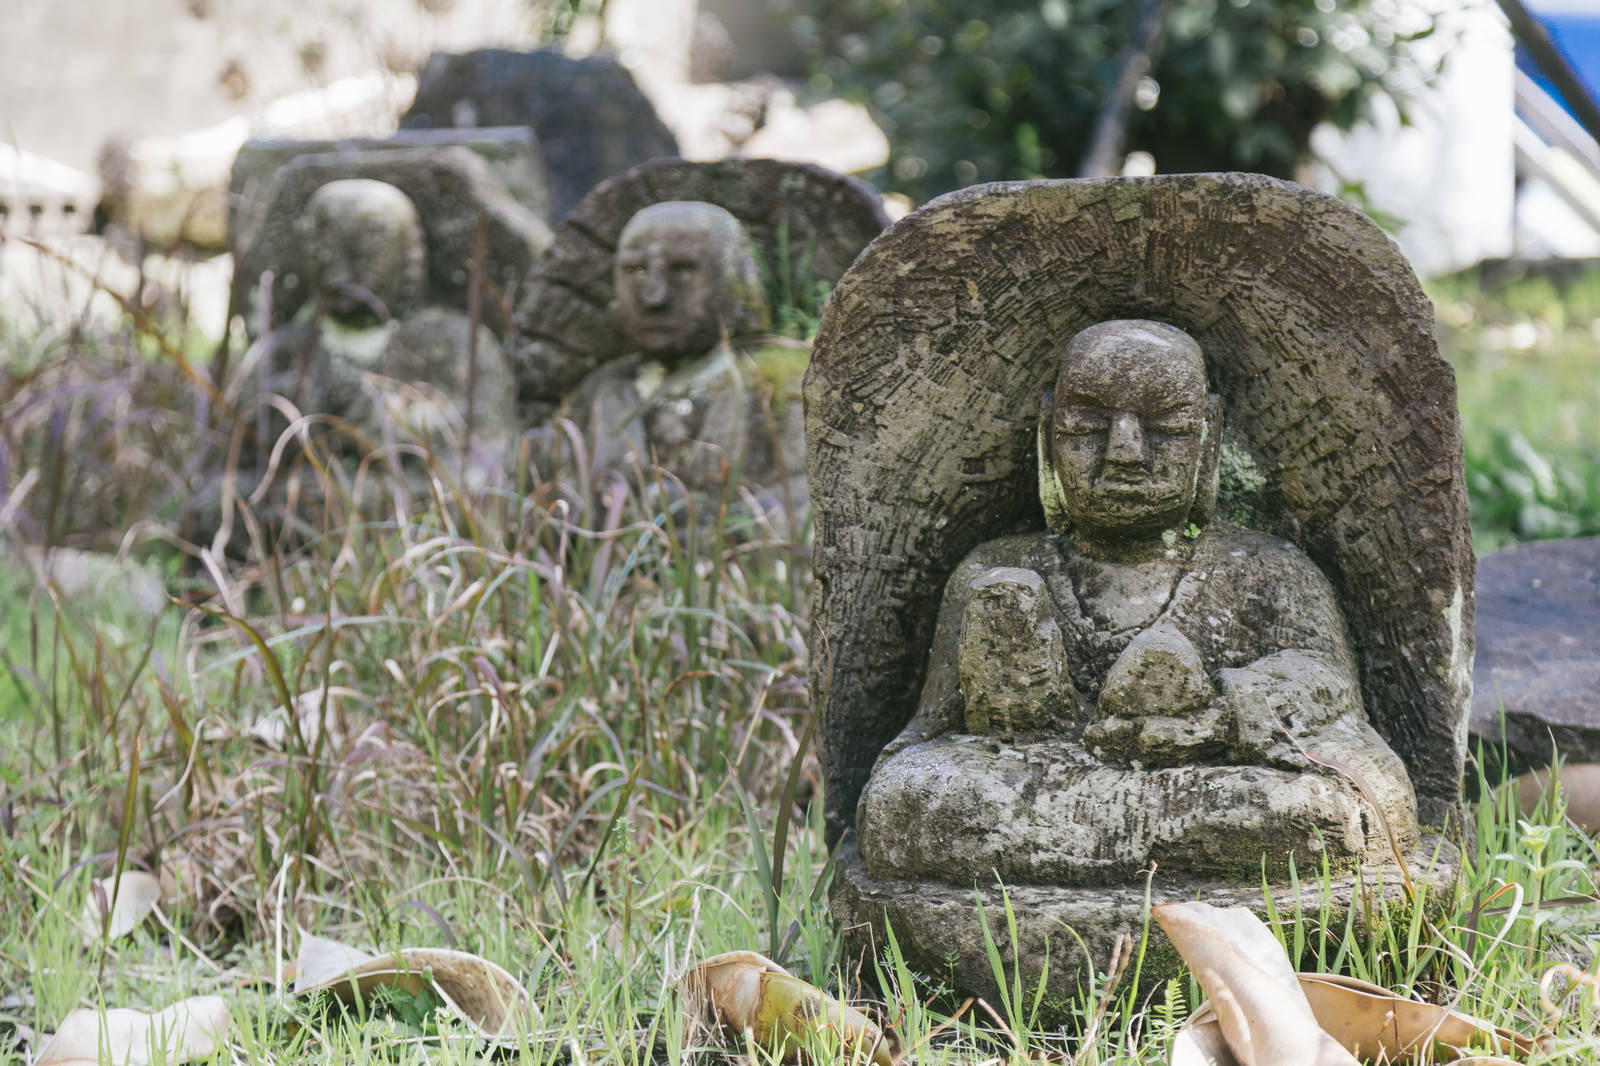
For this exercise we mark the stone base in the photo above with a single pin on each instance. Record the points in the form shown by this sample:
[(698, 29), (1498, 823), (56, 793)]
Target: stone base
[(936, 925)]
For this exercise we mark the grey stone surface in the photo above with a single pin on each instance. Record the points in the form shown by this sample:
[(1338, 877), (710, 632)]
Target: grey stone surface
[(512, 153), (451, 188), (923, 410), (1538, 632), (808, 225), (591, 119)]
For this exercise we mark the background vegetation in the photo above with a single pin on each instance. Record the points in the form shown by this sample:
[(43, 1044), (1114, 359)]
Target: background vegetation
[(1002, 89)]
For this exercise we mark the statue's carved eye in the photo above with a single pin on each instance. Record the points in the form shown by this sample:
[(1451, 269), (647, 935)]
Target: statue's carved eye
[(1173, 424), (1174, 427), (685, 266), (1077, 421), (633, 270)]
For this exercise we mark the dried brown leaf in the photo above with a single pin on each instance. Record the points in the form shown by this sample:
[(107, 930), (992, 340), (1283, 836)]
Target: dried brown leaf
[(749, 993), (1254, 998), (135, 898), (477, 991), (1368, 1018)]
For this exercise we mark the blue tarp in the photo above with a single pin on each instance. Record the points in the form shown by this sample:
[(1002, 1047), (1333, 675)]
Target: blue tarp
[(1575, 28)]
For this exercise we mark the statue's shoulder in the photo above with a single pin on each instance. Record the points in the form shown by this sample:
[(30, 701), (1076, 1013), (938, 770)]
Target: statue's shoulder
[(610, 381), (1250, 558), (1029, 551)]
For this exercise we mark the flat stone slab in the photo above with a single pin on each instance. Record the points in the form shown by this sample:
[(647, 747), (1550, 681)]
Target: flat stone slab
[(936, 926), (452, 188), (1538, 632), (512, 153)]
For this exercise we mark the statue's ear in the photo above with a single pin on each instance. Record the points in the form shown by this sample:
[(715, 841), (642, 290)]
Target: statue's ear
[(1051, 498), (1205, 483)]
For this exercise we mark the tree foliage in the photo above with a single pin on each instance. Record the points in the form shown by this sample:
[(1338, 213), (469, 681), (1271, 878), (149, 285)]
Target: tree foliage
[(982, 90)]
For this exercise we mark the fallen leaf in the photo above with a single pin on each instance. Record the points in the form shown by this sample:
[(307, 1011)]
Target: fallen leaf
[(1254, 998), (1580, 782), (749, 993), (1262, 1013), (321, 960), (190, 1029), (135, 898), (1367, 1018), (483, 995)]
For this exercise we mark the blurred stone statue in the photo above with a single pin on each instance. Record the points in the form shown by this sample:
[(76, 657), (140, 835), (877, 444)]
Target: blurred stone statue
[(686, 398), (364, 349), (1138, 682)]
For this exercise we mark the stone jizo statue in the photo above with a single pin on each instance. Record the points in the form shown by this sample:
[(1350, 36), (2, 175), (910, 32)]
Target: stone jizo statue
[(686, 286), (1143, 570), (1139, 682), (365, 351), (686, 280)]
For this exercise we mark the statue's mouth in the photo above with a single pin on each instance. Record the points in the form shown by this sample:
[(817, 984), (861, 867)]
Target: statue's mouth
[(1122, 486)]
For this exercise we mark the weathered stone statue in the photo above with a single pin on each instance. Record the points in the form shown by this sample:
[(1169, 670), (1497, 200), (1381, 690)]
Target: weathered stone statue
[(645, 317), (1143, 566), (453, 192), (686, 282), (1137, 683), (364, 351)]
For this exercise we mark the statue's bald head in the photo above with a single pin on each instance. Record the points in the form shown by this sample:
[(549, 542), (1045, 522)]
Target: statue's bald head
[(366, 248), (686, 275)]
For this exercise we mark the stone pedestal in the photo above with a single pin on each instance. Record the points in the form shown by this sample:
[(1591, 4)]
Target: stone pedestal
[(939, 935)]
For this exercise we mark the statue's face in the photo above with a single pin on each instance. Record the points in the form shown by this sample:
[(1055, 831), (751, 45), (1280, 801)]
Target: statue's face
[(669, 291), (1128, 429)]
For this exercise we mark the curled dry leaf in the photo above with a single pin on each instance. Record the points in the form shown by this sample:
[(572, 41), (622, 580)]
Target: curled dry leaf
[(190, 1029), (1580, 782), (747, 992), (130, 904), (483, 995), (1369, 1019), (1255, 1001), (1262, 1013)]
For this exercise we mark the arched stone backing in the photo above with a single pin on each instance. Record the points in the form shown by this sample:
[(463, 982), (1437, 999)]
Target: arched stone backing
[(923, 396), (452, 187), (566, 322)]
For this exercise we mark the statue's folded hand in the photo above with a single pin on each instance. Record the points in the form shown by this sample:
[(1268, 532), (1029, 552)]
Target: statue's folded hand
[(1157, 707)]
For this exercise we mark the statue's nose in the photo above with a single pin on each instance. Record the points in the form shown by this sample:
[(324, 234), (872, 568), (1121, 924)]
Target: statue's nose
[(653, 292), (1125, 440)]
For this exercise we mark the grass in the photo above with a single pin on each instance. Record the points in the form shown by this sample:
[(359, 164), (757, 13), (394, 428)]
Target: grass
[(552, 723)]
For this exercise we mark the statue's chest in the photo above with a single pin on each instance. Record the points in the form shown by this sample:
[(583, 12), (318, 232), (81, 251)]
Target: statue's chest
[(1101, 609)]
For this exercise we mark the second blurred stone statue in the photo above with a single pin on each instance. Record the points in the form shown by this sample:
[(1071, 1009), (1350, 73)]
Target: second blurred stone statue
[(687, 283), (363, 351), (650, 322)]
